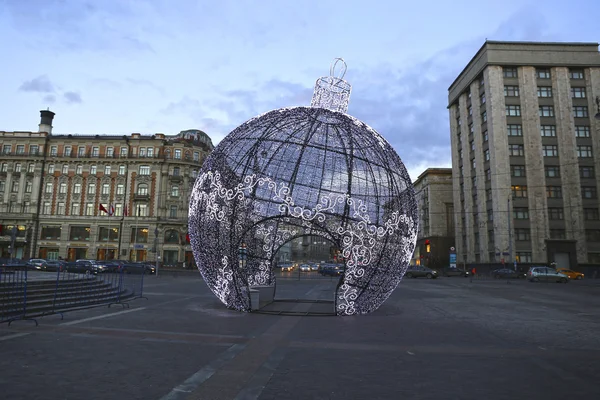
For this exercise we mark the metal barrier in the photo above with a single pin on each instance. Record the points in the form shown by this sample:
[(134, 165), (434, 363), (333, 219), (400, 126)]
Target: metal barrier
[(131, 284), (13, 294)]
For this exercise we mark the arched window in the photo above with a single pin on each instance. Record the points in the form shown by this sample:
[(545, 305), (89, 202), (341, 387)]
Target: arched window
[(142, 189), (175, 191), (172, 236)]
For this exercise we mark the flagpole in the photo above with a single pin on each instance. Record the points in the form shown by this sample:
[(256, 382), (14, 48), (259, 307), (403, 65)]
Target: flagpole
[(137, 214), (107, 235)]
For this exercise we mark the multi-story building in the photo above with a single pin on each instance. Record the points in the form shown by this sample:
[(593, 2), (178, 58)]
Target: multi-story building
[(525, 141), (54, 188), (433, 191)]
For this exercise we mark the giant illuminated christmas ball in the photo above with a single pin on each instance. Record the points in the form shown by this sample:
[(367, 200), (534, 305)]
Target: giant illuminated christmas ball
[(302, 171)]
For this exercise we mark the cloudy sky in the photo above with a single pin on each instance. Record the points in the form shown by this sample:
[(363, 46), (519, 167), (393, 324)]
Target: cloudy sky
[(123, 66)]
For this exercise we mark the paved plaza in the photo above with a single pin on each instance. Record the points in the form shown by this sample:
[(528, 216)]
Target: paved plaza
[(433, 339)]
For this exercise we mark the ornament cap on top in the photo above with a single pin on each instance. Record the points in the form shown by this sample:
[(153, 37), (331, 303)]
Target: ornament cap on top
[(332, 92)]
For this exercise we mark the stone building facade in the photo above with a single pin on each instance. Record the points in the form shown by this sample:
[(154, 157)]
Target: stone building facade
[(433, 191), (54, 188), (525, 139)]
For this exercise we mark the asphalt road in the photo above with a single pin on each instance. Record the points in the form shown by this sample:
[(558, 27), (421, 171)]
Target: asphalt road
[(433, 339)]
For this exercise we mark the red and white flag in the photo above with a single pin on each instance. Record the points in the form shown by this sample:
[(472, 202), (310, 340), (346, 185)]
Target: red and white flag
[(111, 210), (101, 208)]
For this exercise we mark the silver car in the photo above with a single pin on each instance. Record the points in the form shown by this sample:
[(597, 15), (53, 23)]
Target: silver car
[(546, 274)]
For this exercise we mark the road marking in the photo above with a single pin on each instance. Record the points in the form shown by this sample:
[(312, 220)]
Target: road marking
[(13, 336), (79, 321), (192, 383)]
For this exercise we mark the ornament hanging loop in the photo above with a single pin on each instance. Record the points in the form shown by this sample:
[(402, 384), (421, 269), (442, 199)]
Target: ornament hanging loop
[(343, 67)]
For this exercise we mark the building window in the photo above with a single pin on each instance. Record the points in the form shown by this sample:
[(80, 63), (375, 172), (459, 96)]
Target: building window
[(110, 152), (517, 170), (6, 149), (548, 130), (60, 209), (552, 171), (89, 209), (588, 192), (124, 152), (176, 171), (197, 155), (520, 213), (50, 232), (472, 144), (15, 187), (62, 188), (20, 149), (142, 152), (513, 111), (519, 191), (107, 170), (47, 208), (592, 235), (582, 131), (142, 189), (144, 170), (173, 212), (470, 108), (95, 151), (81, 151), (67, 151), (105, 188), (509, 72), (79, 233), (195, 171), (516, 150), (584, 151), (120, 188), (150, 151), (543, 73), (555, 214), (514, 130), (488, 174), (473, 163), (31, 168), (65, 169), (576, 74), (546, 111), (51, 168), (553, 192), (580, 111), (524, 257), (143, 210), (28, 187), (578, 92), (106, 234), (93, 170), (522, 235), (178, 154), (2, 186), (77, 188), (175, 191), (511, 91), (91, 188), (118, 210), (591, 214), (485, 136), (544, 91), (484, 116), (586, 172), (74, 209), (558, 234), (48, 187), (482, 99), (121, 170), (53, 151), (139, 235), (18, 167), (550, 150)]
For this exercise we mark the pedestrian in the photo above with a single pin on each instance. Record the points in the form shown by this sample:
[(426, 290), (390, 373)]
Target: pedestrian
[(473, 271)]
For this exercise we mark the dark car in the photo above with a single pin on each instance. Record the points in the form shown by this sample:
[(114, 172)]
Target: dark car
[(331, 270), (455, 272), (139, 268), (421, 272), (54, 265), (85, 267), (507, 273)]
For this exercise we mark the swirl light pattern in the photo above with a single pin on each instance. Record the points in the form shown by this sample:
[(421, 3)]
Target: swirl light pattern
[(303, 171)]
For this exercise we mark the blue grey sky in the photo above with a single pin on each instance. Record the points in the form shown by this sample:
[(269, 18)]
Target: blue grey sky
[(123, 66)]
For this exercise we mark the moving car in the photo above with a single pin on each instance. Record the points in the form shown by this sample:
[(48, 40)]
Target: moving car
[(546, 274), (286, 267), (331, 270), (507, 273), (455, 272), (304, 268), (421, 272), (571, 274), (54, 265)]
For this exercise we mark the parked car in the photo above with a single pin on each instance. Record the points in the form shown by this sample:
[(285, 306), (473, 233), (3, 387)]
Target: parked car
[(571, 274), (507, 273), (314, 266), (86, 267), (546, 274), (455, 272), (420, 272)]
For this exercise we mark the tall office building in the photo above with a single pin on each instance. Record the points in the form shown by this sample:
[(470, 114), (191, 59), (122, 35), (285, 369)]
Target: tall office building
[(525, 141), (97, 196)]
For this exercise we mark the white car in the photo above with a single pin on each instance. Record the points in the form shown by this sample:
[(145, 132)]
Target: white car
[(305, 268)]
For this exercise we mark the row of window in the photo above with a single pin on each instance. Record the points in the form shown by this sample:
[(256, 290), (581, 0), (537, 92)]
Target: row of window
[(143, 169), (555, 192), (544, 91), (514, 110), (581, 131), (556, 213), (552, 171), (105, 234), (89, 209), (548, 150), (541, 73)]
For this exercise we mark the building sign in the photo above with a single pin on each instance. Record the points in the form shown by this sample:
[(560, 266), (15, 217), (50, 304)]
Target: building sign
[(138, 246), (452, 257)]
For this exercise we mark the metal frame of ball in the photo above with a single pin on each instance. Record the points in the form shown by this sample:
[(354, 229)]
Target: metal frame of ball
[(239, 199)]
